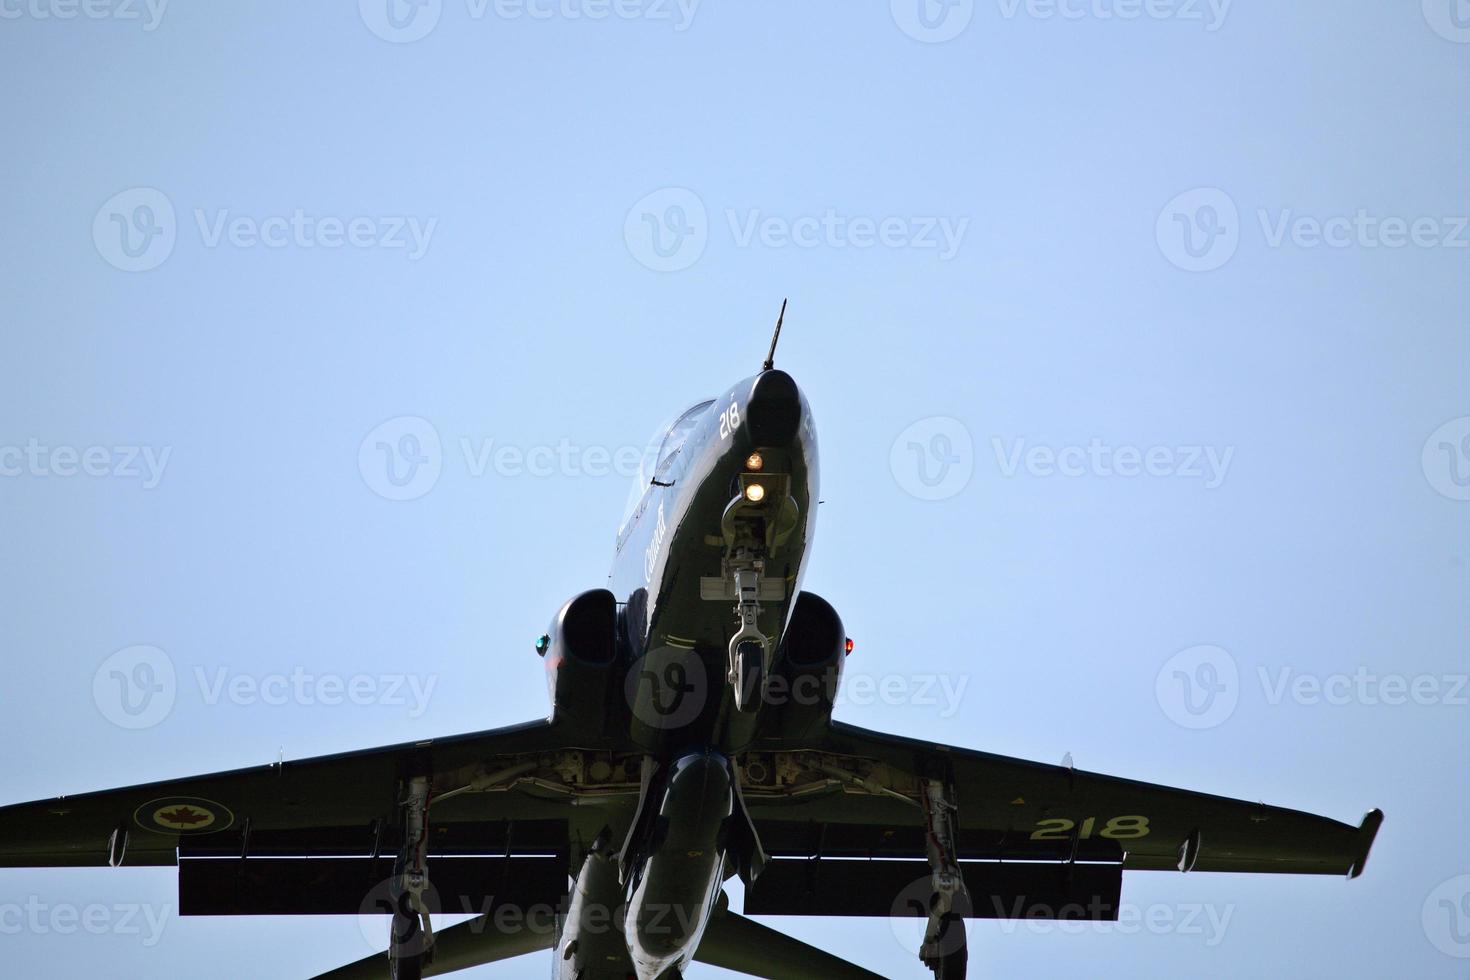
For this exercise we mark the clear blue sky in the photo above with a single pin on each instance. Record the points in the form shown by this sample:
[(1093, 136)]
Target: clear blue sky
[(817, 150)]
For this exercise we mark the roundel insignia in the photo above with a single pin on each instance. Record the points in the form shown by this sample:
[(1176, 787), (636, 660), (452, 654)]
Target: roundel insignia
[(183, 815)]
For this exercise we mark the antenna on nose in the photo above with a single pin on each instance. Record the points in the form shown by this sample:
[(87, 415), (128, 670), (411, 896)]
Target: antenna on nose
[(771, 357)]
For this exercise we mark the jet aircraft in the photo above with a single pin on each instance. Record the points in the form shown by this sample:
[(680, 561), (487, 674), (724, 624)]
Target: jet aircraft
[(690, 740)]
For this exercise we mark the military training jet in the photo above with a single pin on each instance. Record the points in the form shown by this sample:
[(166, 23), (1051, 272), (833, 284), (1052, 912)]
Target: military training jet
[(690, 741)]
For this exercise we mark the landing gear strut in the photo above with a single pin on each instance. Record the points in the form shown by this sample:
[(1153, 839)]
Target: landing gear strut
[(411, 935), (748, 647), (945, 950)]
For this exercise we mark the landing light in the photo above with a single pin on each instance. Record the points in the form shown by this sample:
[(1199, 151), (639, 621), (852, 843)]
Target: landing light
[(754, 461), (755, 493)]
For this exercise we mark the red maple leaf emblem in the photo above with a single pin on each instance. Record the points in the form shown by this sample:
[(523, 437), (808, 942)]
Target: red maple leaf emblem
[(183, 816)]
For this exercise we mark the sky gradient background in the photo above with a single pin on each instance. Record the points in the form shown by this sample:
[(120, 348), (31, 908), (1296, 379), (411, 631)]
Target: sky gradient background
[(611, 211)]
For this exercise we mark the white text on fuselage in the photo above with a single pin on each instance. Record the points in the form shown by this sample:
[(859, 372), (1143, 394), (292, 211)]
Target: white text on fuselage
[(651, 555)]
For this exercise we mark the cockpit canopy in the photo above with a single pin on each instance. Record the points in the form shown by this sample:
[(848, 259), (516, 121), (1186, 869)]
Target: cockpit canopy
[(662, 449)]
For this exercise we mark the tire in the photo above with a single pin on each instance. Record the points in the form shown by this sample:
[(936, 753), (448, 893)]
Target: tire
[(750, 669), (409, 968), (952, 937), (408, 943)]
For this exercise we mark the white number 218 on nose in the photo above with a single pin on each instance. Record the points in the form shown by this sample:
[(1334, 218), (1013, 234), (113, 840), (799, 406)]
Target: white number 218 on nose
[(729, 420)]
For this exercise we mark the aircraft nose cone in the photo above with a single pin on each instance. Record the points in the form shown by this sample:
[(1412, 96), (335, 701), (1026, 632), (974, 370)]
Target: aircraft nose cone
[(774, 409)]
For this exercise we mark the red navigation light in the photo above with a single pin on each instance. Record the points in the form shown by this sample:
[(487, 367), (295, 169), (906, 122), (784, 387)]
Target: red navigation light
[(849, 644)]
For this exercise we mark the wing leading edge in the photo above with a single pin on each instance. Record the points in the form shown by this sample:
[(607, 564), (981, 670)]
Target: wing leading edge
[(1015, 810), (336, 804)]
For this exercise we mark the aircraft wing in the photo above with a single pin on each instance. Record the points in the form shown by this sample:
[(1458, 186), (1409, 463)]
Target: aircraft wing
[(1044, 833), (344, 804)]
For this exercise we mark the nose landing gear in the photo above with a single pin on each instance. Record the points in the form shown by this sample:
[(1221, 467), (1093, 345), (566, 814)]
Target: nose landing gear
[(749, 648)]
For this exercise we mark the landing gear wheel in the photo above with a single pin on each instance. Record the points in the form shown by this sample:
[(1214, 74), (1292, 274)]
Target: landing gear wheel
[(750, 675), (952, 964), (411, 968), (405, 963)]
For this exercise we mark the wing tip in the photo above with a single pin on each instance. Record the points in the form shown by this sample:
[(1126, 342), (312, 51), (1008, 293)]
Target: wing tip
[(1367, 833)]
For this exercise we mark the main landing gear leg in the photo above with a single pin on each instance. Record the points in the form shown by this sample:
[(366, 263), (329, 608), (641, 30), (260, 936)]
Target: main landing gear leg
[(945, 950), (411, 935)]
